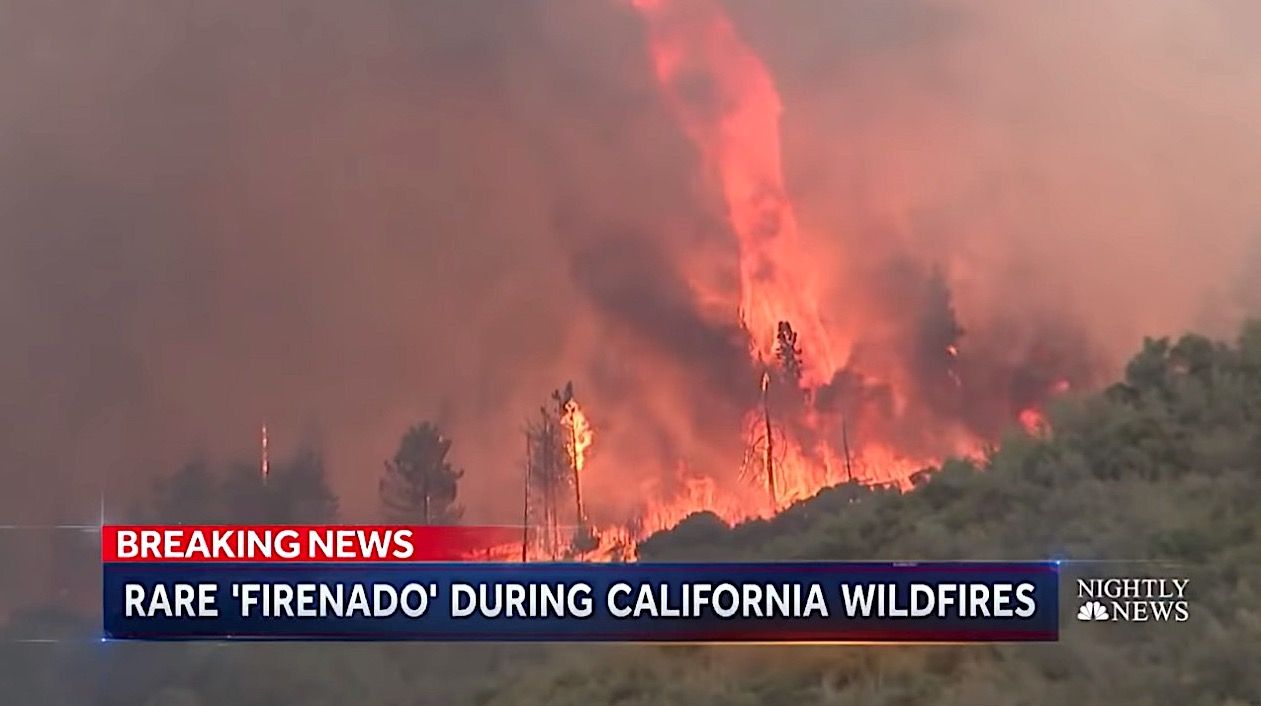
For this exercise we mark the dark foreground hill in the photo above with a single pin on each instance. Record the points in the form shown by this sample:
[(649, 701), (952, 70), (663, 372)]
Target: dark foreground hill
[(1160, 473)]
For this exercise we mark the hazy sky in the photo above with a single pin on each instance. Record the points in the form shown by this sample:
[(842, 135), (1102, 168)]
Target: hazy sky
[(344, 217)]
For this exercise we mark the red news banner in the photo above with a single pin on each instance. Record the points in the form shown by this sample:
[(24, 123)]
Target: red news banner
[(306, 543)]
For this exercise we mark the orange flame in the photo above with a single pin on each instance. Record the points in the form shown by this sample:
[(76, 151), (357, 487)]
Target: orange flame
[(723, 96), (735, 125), (1033, 420), (578, 433)]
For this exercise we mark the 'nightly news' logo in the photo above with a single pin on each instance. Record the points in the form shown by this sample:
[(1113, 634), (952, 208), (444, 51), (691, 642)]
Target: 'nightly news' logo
[(1133, 600)]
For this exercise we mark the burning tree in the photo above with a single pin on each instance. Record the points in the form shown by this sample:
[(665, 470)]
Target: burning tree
[(557, 443), (576, 439), (787, 352), (765, 448), (783, 439), (420, 484)]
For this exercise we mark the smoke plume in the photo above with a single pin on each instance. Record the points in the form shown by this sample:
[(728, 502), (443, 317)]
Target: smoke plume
[(341, 218)]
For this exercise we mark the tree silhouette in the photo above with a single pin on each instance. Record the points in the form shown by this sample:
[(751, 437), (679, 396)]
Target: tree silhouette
[(420, 484), (788, 352), (188, 496), (296, 492)]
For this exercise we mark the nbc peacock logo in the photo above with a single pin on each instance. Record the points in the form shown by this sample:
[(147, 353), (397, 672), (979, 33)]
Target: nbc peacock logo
[(1092, 611)]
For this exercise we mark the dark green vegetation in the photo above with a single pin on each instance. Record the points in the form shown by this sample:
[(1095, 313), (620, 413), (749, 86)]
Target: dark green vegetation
[(295, 491), (420, 484), (1164, 466)]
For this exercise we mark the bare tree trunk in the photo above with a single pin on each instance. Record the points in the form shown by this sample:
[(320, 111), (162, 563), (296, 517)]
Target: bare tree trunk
[(769, 460), (849, 470), (525, 498)]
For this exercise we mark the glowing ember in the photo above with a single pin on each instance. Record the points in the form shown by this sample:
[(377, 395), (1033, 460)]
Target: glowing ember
[(1033, 420), (264, 463)]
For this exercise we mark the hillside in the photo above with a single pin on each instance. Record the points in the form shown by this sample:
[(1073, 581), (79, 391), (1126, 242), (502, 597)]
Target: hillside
[(1164, 467)]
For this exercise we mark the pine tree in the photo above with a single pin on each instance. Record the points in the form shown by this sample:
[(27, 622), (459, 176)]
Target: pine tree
[(420, 484)]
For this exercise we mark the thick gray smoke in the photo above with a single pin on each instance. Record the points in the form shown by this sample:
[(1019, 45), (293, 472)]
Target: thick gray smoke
[(340, 218)]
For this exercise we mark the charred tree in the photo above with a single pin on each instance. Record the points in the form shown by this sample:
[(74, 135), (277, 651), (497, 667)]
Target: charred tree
[(525, 499), (547, 477), (762, 448), (849, 468), (761, 452), (787, 352), (768, 460)]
